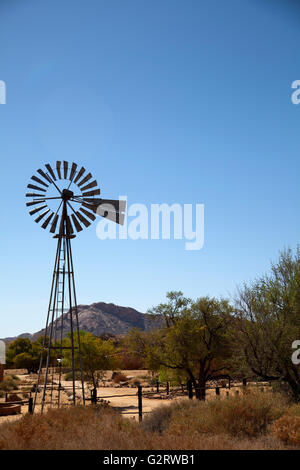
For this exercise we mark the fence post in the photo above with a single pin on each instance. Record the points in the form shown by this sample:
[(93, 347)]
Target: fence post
[(157, 386), (244, 382), (140, 402), (190, 389), (30, 405), (217, 390), (94, 396), (229, 382), (168, 388)]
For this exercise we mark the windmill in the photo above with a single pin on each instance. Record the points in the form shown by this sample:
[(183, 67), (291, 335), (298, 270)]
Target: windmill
[(65, 198)]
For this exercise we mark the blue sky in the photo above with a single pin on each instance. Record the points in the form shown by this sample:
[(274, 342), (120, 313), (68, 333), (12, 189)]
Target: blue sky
[(164, 101)]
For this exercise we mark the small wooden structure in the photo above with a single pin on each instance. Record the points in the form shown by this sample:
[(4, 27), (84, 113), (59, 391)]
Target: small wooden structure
[(7, 409)]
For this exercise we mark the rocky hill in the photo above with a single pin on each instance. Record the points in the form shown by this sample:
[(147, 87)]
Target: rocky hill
[(101, 318)]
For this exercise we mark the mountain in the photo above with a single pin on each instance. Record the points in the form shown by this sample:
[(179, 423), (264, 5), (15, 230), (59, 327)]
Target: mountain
[(101, 318)]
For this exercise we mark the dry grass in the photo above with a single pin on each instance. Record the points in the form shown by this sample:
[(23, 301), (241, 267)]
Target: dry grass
[(242, 416), (287, 429), (252, 421)]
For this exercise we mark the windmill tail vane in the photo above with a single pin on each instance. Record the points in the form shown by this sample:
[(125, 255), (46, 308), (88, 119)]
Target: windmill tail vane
[(64, 198)]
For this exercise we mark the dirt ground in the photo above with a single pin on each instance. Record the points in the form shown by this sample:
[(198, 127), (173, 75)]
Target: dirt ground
[(110, 392)]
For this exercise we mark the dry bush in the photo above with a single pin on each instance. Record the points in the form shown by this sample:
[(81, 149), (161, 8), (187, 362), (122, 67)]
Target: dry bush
[(94, 428), (160, 418), (9, 383), (42, 379), (129, 362), (119, 377), (242, 416), (293, 410), (68, 428), (287, 429), (235, 423), (102, 428)]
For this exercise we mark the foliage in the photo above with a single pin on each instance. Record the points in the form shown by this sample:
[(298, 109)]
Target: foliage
[(268, 321), (97, 356), (24, 354), (195, 340), (16, 347)]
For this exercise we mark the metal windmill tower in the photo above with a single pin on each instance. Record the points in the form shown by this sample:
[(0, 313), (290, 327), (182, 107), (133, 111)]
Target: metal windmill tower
[(63, 200)]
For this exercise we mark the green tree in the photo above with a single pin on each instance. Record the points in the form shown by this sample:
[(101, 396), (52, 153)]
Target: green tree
[(97, 355), (24, 354), (195, 339), (16, 347), (268, 319), (27, 361)]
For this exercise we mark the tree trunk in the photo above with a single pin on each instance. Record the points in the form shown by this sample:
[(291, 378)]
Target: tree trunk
[(201, 388), (295, 387)]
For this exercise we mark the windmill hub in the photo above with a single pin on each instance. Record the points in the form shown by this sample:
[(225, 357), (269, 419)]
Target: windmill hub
[(67, 194)]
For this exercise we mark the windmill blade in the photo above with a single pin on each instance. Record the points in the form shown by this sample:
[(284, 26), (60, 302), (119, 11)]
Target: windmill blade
[(89, 186), (41, 216), (38, 209), (76, 223), (87, 213), (95, 192), (50, 171), (33, 203), (90, 207), (82, 219), (69, 226), (34, 195), (45, 224), (43, 174), (37, 188), (58, 165), (80, 173), (54, 224), (38, 180), (73, 170), (65, 169), (85, 179)]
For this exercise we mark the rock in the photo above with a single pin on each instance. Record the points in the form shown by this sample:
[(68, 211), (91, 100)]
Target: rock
[(123, 384)]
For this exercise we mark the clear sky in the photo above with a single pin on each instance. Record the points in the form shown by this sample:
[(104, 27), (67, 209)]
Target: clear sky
[(184, 101)]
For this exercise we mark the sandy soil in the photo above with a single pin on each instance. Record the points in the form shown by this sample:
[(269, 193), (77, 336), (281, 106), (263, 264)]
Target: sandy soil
[(112, 393)]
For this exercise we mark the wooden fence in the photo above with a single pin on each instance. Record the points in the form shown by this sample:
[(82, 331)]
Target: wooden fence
[(165, 388)]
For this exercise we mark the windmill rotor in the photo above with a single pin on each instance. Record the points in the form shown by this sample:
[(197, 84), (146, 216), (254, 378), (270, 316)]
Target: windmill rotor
[(67, 185)]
